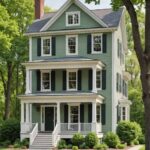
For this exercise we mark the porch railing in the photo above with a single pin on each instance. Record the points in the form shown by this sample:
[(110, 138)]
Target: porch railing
[(27, 128), (34, 133), (55, 134)]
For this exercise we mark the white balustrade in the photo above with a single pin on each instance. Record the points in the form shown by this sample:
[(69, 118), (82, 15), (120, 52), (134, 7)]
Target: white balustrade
[(34, 133), (55, 134)]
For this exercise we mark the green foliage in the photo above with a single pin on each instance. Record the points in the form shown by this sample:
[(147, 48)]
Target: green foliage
[(5, 143), (48, 9), (101, 147), (91, 139), (111, 139), (75, 148), (10, 130), (128, 131), (121, 146), (135, 142), (69, 146), (141, 139), (77, 139), (62, 144)]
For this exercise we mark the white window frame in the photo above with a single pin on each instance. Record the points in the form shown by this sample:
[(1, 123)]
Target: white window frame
[(45, 71), (69, 112), (93, 35), (67, 48), (72, 13), (68, 71), (42, 39), (100, 79)]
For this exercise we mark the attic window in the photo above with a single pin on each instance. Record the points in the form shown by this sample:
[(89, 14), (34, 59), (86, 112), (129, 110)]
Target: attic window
[(72, 18)]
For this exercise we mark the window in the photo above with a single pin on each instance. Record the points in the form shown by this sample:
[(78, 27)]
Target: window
[(98, 114), (72, 18), (72, 44), (99, 79), (97, 43), (46, 46), (124, 115), (72, 80), (74, 114), (45, 81)]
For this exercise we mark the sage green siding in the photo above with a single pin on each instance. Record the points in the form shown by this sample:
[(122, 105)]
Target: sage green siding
[(85, 20)]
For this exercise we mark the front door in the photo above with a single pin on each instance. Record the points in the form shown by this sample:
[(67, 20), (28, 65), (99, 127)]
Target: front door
[(49, 118)]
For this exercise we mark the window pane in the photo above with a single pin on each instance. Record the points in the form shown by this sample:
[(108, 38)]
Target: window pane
[(74, 114), (46, 46), (72, 45), (97, 43), (98, 79), (98, 114), (70, 19), (72, 80), (76, 18), (45, 81)]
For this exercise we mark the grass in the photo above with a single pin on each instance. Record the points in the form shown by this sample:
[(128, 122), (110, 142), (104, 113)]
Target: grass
[(142, 148)]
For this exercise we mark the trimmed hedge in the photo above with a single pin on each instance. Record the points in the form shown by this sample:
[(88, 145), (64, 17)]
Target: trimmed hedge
[(77, 139)]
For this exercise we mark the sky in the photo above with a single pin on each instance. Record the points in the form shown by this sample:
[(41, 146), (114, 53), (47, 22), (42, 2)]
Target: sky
[(56, 4)]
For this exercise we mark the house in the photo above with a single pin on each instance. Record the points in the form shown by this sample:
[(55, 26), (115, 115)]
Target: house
[(75, 77)]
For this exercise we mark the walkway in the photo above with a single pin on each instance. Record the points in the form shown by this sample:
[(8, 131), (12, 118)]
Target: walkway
[(135, 147)]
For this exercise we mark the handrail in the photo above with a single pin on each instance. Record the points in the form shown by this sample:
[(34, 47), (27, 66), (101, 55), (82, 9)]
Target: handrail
[(55, 136), (34, 133)]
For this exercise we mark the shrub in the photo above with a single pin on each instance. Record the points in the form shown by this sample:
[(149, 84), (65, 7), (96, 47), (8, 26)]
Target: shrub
[(77, 139), (141, 139), (6, 143), (121, 146), (62, 144), (91, 139), (83, 146), (75, 148), (10, 130), (111, 139), (69, 146), (135, 142), (101, 147), (128, 131)]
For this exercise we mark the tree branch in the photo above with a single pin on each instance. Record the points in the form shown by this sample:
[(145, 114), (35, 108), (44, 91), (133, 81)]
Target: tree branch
[(3, 80), (135, 30)]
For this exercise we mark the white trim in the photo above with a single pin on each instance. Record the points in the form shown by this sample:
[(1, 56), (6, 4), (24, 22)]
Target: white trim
[(70, 31), (94, 79), (22, 112), (45, 71), (93, 35), (67, 50), (76, 71), (31, 113), (30, 48), (42, 52), (72, 13), (65, 7)]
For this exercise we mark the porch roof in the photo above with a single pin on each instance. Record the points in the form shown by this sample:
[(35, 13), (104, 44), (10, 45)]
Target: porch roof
[(63, 63), (64, 97)]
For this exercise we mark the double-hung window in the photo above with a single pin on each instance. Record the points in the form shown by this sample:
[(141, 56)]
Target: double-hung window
[(99, 79), (96, 43), (45, 81), (74, 114), (72, 44), (98, 113), (72, 80), (124, 113), (73, 18), (46, 46)]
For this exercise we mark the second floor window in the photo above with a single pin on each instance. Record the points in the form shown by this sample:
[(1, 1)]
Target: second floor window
[(97, 43), (73, 18), (99, 79), (45, 81), (46, 46), (72, 80), (71, 43)]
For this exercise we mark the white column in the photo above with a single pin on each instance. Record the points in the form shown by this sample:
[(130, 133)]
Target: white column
[(94, 116), (30, 49), (27, 113), (58, 113), (94, 79), (22, 112), (31, 113), (27, 81)]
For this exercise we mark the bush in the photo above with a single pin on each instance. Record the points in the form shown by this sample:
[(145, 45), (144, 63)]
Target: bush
[(10, 130), (62, 144), (25, 143), (141, 139), (121, 146), (75, 148), (128, 131), (111, 139), (101, 147), (83, 146), (6, 143), (91, 140), (77, 139), (69, 146), (135, 142)]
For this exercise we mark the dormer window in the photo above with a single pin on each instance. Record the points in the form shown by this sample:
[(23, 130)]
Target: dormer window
[(72, 18), (46, 46)]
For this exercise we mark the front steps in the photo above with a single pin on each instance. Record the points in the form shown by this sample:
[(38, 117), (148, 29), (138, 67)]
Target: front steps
[(43, 141)]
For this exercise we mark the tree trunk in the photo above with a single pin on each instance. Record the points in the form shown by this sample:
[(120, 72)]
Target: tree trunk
[(8, 90)]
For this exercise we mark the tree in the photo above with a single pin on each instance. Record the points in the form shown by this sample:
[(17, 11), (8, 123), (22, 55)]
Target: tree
[(48, 9), (142, 52)]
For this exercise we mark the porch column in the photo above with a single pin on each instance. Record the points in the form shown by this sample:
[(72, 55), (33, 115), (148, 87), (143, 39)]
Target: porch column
[(31, 113), (22, 112), (27, 81), (58, 113), (27, 113), (94, 116), (94, 79)]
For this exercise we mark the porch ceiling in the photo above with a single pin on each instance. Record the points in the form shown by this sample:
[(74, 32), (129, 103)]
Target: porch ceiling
[(62, 97), (63, 63)]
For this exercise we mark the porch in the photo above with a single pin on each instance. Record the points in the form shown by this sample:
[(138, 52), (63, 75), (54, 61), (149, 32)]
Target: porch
[(61, 118)]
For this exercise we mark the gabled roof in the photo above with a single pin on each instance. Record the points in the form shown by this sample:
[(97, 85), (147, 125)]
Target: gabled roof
[(107, 16)]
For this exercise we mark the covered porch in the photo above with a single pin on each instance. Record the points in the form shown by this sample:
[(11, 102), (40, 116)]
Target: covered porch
[(62, 115)]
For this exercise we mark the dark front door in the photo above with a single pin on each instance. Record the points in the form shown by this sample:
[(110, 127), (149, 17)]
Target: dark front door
[(49, 118)]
